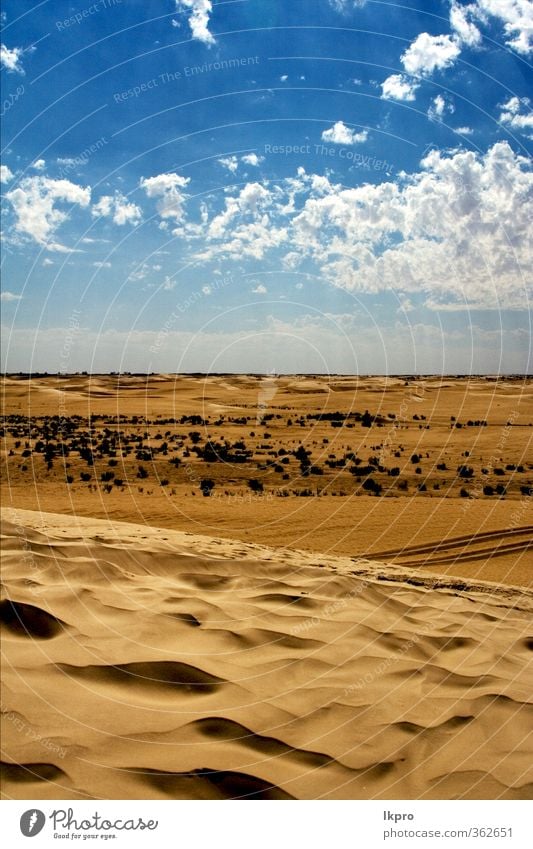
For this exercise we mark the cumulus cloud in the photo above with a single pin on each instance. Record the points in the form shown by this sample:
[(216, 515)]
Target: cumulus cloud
[(244, 228), (101, 264), (199, 18), (39, 165), (459, 226), (517, 115), (517, 19), (439, 106), (460, 21), (5, 174), (430, 53), (339, 133), (252, 159), (457, 230), (464, 131), (398, 87), (8, 297), (118, 208), (11, 59), (168, 188), (231, 163), (34, 203), (260, 290)]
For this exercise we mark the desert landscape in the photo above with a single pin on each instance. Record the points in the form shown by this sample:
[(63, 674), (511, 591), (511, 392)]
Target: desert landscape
[(265, 586)]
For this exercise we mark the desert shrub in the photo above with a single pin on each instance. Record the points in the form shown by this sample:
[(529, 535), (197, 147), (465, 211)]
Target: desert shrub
[(206, 485), (465, 471), (464, 493), (415, 459), (370, 485), (488, 490), (142, 473), (255, 485)]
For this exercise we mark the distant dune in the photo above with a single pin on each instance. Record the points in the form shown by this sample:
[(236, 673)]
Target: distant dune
[(150, 663)]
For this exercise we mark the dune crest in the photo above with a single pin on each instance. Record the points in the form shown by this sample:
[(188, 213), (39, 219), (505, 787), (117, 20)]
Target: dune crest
[(148, 663)]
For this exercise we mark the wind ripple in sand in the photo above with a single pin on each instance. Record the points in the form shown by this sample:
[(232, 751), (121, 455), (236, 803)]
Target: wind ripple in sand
[(185, 667)]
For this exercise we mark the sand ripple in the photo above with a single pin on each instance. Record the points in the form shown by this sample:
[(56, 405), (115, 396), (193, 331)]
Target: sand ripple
[(149, 664)]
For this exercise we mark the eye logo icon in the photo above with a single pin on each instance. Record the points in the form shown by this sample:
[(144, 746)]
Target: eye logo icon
[(32, 822)]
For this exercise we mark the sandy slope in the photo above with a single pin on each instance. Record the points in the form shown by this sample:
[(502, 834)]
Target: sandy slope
[(148, 663)]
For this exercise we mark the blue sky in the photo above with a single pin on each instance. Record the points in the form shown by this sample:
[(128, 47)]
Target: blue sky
[(250, 185)]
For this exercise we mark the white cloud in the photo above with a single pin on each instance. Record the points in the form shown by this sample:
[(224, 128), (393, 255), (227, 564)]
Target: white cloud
[(517, 19), (464, 131), (284, 78), (101, 264), (118, 208), (5, 174), (168, 188), (46, 262), (244, 228), (33, 202), (457, 230), (199, 18), (10, 59), (231, 163), (438, 108), (398, 87), (206, 290), (9, 296), (252, 159), (260, 289), (466, 31), (339, 133), (517, 115), (460, 226), (429, 53), (39, 165)]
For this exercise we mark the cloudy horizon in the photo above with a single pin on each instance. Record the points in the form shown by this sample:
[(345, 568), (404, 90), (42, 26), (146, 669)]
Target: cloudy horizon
[(217, 187)]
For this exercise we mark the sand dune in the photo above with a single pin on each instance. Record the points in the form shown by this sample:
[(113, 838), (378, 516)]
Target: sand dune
[(147, 663)]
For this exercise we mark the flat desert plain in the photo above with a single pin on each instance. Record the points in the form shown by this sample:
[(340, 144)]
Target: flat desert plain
[(275, 587)]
